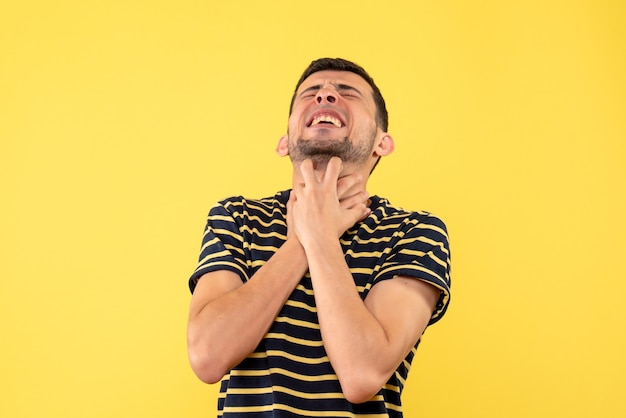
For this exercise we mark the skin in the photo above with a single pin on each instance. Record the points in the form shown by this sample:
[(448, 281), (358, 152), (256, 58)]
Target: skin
[(365, 340)]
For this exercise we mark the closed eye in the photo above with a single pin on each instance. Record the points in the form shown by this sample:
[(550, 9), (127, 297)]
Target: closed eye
[(348, 91), (343, 89), (309, 92)]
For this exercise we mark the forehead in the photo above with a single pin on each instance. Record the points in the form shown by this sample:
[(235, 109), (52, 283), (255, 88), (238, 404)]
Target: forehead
[(336, 78)]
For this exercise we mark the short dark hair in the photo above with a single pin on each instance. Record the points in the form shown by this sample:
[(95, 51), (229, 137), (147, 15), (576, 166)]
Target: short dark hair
[(340, 64)]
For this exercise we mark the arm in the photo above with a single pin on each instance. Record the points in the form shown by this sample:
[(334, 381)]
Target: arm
[(228, 319), (365, 341)]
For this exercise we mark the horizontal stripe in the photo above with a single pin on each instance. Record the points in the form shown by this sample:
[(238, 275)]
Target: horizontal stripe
[(264, 223), (255, 231), (298, 411), (299, 359), (210, 242), (215, 255), (228, 233), (303, 289), (367, 254), (234, 249), (277, 370), (297, 322), (294, 340), (428, 254), (302, 305), (220, 263), (283, 389), (258, 247), (428, 241)]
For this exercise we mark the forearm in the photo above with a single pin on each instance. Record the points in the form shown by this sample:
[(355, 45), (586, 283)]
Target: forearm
[(364, 341), (355, 341), (225, 329)]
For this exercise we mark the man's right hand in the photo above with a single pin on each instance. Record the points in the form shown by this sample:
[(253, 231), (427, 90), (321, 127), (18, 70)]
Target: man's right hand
[(322, 206)]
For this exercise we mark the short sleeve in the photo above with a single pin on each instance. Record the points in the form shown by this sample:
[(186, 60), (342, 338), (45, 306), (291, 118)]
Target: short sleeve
[(222, 245), (422, 252)]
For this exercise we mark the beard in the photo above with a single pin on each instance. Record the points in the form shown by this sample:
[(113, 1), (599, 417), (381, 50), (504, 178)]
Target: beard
[(321, 151)]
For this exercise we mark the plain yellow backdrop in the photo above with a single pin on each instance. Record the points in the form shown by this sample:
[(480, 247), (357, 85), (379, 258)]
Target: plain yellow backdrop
[(122, 122)]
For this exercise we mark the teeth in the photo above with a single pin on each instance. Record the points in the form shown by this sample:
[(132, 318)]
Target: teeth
[(326, 118)]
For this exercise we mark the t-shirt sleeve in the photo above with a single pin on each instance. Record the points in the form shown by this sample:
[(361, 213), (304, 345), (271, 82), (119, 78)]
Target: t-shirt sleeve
[(222, 245), (422, 252)]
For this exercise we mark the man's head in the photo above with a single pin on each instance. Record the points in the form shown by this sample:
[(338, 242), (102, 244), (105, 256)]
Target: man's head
[(340, 64), (337, 110)]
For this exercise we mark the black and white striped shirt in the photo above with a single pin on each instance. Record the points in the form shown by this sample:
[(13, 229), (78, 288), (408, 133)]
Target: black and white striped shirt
[(289, 374)]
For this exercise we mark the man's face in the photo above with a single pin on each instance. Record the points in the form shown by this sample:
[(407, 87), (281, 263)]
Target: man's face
[(333, 114)]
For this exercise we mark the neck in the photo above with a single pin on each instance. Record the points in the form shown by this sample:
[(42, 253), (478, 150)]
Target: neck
[(320, 171)]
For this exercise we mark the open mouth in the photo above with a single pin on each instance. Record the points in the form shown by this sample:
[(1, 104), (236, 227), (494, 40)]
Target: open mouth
[(325, 119)]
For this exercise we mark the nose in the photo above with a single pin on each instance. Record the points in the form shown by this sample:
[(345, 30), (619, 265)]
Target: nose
[(326, 94)]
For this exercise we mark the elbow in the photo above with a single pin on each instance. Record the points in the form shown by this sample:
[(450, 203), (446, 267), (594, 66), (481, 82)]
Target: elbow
[(357, 398), (205, 369), (360, 388), (206, 366)]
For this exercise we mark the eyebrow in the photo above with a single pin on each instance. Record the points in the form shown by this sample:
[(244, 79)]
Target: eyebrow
[(338, 86)]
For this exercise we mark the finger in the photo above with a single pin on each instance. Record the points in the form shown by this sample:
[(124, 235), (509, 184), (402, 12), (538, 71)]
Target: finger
[(354, 200), (366, 212), (290, 204), (356, 214), (308, 172), (332, 170), (292, 198)]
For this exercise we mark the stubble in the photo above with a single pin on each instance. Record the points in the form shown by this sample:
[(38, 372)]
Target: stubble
[(321, 151)]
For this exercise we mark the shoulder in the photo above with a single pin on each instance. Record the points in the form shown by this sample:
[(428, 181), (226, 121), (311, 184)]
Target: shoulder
[(243, 210), (388, 214), (240, 204)]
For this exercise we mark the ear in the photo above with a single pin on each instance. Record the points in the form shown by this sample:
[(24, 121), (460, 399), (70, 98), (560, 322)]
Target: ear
[(385, 146), (282, 149)]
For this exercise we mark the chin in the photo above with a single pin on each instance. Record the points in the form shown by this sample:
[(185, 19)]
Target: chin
[(320, 161)]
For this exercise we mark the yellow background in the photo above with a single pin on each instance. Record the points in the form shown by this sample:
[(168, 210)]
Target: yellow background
[(122, 122)]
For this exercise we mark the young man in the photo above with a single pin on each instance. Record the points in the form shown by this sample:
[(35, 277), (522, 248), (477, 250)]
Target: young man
[(312, 302)]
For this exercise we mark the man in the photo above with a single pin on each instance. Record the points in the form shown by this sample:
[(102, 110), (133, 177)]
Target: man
[(312, 302)]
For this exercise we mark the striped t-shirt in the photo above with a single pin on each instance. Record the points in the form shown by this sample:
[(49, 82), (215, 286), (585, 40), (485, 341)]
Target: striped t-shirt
[(289, 374)]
